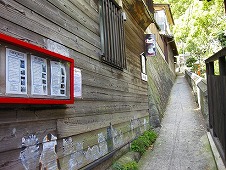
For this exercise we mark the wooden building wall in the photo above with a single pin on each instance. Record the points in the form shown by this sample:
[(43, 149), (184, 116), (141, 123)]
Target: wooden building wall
[(114, 103)]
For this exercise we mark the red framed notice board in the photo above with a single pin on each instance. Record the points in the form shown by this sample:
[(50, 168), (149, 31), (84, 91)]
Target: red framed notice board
[(33, 75)]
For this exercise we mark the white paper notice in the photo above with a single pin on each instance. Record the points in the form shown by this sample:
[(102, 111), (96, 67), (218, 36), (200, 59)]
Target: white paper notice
[(39, 75), (16, 72), (143, 64), (77, 83), (58, 79)]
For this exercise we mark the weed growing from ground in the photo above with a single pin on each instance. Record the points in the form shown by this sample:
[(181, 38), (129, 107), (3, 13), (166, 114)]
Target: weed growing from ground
[(142, 143)]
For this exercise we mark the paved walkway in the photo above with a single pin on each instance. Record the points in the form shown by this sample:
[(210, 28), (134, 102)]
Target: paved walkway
[(182, 143)]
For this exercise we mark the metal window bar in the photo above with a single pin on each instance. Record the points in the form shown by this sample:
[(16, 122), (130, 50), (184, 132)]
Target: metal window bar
[(112, 32), (123, 44)]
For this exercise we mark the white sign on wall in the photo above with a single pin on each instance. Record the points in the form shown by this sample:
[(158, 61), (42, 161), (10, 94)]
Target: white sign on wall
[(16, 72), (58, 79), (77, 83), (38, 75), (144, 77)]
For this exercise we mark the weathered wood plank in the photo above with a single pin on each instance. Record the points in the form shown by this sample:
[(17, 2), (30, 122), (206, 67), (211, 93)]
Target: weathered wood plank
[(95, 66), (86, 108), (12, 134), (140, 12), (16, 31), (109, 95), (81, 60), (133, 37), (133, 61), (40, 113), (10, 160), (86, 140), (77, 14), (124, 135), (8, 115), (133, 25), (61, 19), (46, 28), (110, 70), (133, 46), (77, 125), (67, 127), (100, 94), (114, 84), (91, 11)]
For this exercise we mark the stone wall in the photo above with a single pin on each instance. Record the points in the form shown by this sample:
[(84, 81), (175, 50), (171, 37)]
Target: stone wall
[(160, 83)]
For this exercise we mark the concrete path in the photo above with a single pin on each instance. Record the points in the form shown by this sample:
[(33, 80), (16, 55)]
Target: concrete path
[(182, 143)]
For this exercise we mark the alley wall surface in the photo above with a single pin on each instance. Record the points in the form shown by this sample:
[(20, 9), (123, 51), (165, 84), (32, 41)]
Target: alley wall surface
[(114, 103), (114, 107)]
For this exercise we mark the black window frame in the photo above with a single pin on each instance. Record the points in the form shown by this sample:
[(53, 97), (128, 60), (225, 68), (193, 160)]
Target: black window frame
[(112, 34)]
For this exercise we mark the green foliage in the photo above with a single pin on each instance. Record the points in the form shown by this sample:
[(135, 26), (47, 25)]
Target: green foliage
[(190, 61), (117, 166), (216, 68), (139, 145), (127, 166), (150, 135), (222, 38), (142, 143), (178, 7), (198, 25), (131, 166)]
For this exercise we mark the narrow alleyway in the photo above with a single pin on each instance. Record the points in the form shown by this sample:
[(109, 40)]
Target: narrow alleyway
[(182, 143)]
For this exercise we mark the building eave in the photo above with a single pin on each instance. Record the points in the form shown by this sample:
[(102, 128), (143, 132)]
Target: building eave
[(167, 9), (140, 12)]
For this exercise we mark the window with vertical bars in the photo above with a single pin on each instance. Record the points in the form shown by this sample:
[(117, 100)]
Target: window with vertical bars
[(112, 34)]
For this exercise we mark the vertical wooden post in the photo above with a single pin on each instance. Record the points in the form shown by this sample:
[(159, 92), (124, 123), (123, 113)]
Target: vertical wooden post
[(207, 69), (222, 66), (210, 72), (221, 111)]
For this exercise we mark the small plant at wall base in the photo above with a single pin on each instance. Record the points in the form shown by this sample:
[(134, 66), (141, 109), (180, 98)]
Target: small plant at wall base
[(131, 166), (142, 143), (128, 166), (138, 147), (117, 166)]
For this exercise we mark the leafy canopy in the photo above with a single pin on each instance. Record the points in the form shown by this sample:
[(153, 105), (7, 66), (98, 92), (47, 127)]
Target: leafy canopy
[(190, 61), (198, 24)]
